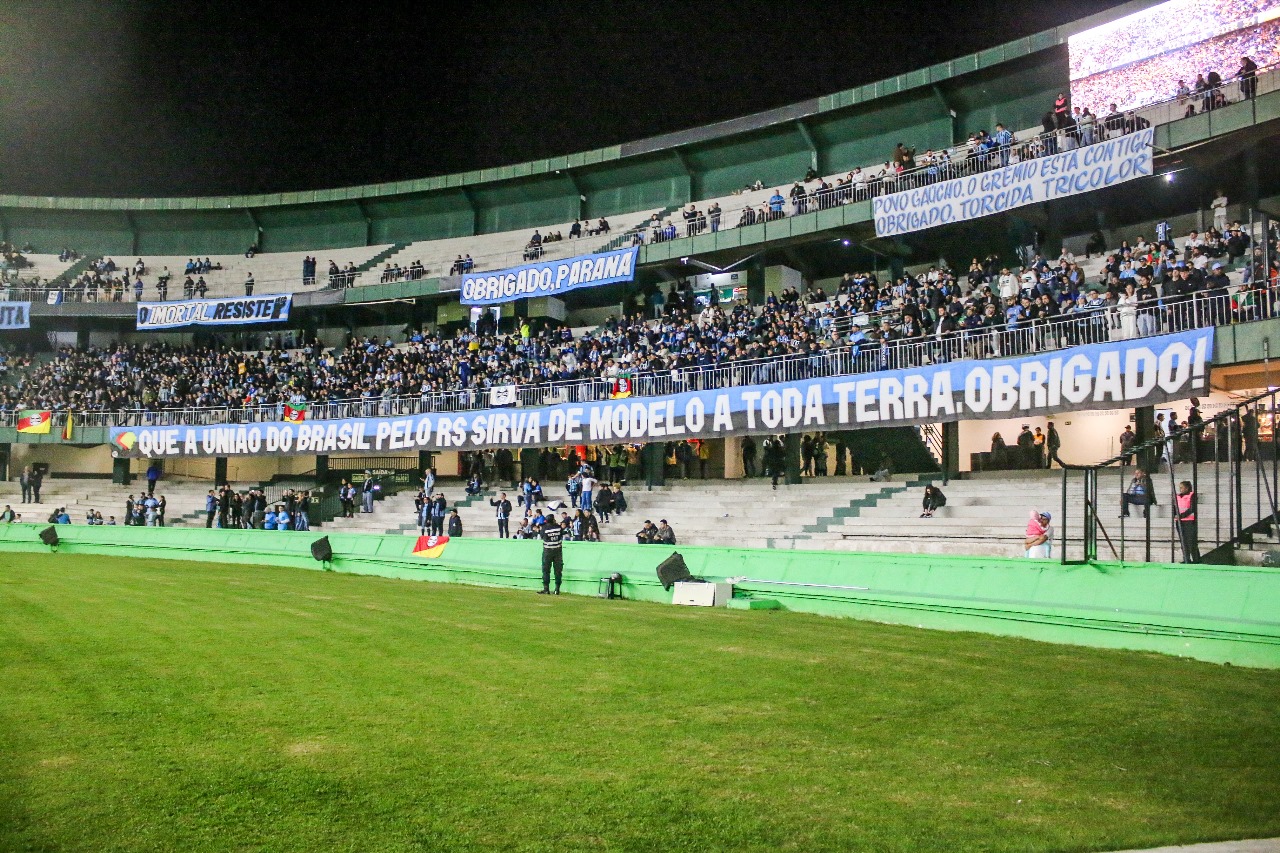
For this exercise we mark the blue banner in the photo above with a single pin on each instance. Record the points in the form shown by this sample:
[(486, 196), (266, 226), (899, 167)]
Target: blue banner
[(15, 315), (1121, 374), (270, 308), (1079, 170), (549, 278)]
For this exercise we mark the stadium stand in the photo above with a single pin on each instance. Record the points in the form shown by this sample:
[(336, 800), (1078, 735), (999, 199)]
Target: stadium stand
[(666, 340), (906, 168)]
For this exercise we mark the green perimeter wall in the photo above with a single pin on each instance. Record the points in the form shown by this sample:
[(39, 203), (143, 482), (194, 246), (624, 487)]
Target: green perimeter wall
[(1221, 614)]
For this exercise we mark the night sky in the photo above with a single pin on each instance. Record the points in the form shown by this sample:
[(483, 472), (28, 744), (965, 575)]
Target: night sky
[(149, 98)]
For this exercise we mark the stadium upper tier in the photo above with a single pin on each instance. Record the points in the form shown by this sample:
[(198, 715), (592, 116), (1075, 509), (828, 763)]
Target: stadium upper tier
[(939, 113)]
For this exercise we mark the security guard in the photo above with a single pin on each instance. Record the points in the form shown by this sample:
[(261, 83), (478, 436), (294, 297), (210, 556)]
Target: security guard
[(552, 555)]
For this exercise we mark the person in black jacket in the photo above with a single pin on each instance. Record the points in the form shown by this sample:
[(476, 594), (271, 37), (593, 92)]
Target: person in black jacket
[(438, 504), (748, 456), (502, 509), (775, 457), (934, 500), (455, 524), (552, 556), (604, 502)]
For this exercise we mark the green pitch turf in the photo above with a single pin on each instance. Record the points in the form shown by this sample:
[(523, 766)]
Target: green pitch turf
[(191, 707)]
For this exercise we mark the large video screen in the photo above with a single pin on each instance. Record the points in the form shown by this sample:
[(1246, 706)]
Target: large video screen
[(1139, 59)]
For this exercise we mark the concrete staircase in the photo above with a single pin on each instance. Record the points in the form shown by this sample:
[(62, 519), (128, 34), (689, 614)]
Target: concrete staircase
[(184, 499), (986, 514)]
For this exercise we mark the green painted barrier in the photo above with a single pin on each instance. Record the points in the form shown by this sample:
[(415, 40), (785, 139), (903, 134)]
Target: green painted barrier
[(1216, 613)]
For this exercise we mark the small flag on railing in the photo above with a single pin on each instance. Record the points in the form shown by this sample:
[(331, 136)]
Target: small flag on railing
[(67, 428), (295, 413), (503, 395), (34, 422), (621, 388)]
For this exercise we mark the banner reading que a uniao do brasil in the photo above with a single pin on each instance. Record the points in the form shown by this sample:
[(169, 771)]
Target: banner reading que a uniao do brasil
[(1120, 374)]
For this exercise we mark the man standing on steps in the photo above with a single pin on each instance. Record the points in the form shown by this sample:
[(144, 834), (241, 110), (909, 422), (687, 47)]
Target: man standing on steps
[(503, 511), (552, 556), (366, 493), (210, 509), (1054, 443), (438, 505), (588, 486)]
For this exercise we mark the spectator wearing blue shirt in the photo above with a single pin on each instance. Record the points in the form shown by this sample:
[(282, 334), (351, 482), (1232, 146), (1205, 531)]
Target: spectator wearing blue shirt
[(775, 205), (282, 519), (1004, 140), (269, 520)]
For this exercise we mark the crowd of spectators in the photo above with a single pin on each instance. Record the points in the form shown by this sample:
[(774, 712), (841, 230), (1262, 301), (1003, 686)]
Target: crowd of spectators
[(414, 271), (1218, 67), (676, 339)]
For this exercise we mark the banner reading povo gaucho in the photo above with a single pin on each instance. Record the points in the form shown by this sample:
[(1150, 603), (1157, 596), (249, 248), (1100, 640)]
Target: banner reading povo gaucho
[(1079, 170), (240, 310), (1120, 374), (549, 278)]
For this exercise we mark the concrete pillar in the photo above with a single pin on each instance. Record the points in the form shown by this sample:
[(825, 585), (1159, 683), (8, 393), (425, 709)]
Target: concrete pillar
[(951, 448), (792, 446), (1144, 428), (322, 468), (120, 472), (220, 470), (653, 462), (426, 459)]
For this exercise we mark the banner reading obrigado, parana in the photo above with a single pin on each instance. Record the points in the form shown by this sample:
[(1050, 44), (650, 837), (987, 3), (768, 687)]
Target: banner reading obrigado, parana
[(549, 278), (270, 308), (1079, 170), (1098, 376)]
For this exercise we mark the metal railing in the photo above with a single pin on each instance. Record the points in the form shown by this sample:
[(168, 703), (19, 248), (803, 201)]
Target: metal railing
[(1234, 479), (1095, 323)]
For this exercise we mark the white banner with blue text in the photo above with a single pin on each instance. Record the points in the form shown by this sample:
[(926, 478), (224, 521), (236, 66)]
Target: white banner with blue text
[(15, 315), (270, 308), (1121, 374), (549, 278), (1080, 170)]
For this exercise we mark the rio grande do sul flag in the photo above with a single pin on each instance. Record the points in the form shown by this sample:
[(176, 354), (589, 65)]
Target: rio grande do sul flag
[(295, 413), (34, 422)]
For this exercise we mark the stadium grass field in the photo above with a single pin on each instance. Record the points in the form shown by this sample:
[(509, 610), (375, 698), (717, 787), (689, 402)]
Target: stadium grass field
[(180, 706)]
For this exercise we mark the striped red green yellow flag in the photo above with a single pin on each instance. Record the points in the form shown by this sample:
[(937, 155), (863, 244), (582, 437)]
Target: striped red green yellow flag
[(295, 413), (35, 422)]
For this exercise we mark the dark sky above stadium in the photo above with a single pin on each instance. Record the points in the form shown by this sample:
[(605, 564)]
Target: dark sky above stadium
[(151, 98)]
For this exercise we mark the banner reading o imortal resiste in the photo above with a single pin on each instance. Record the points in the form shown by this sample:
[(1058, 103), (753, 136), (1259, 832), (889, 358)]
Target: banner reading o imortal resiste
[(239, 310)]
